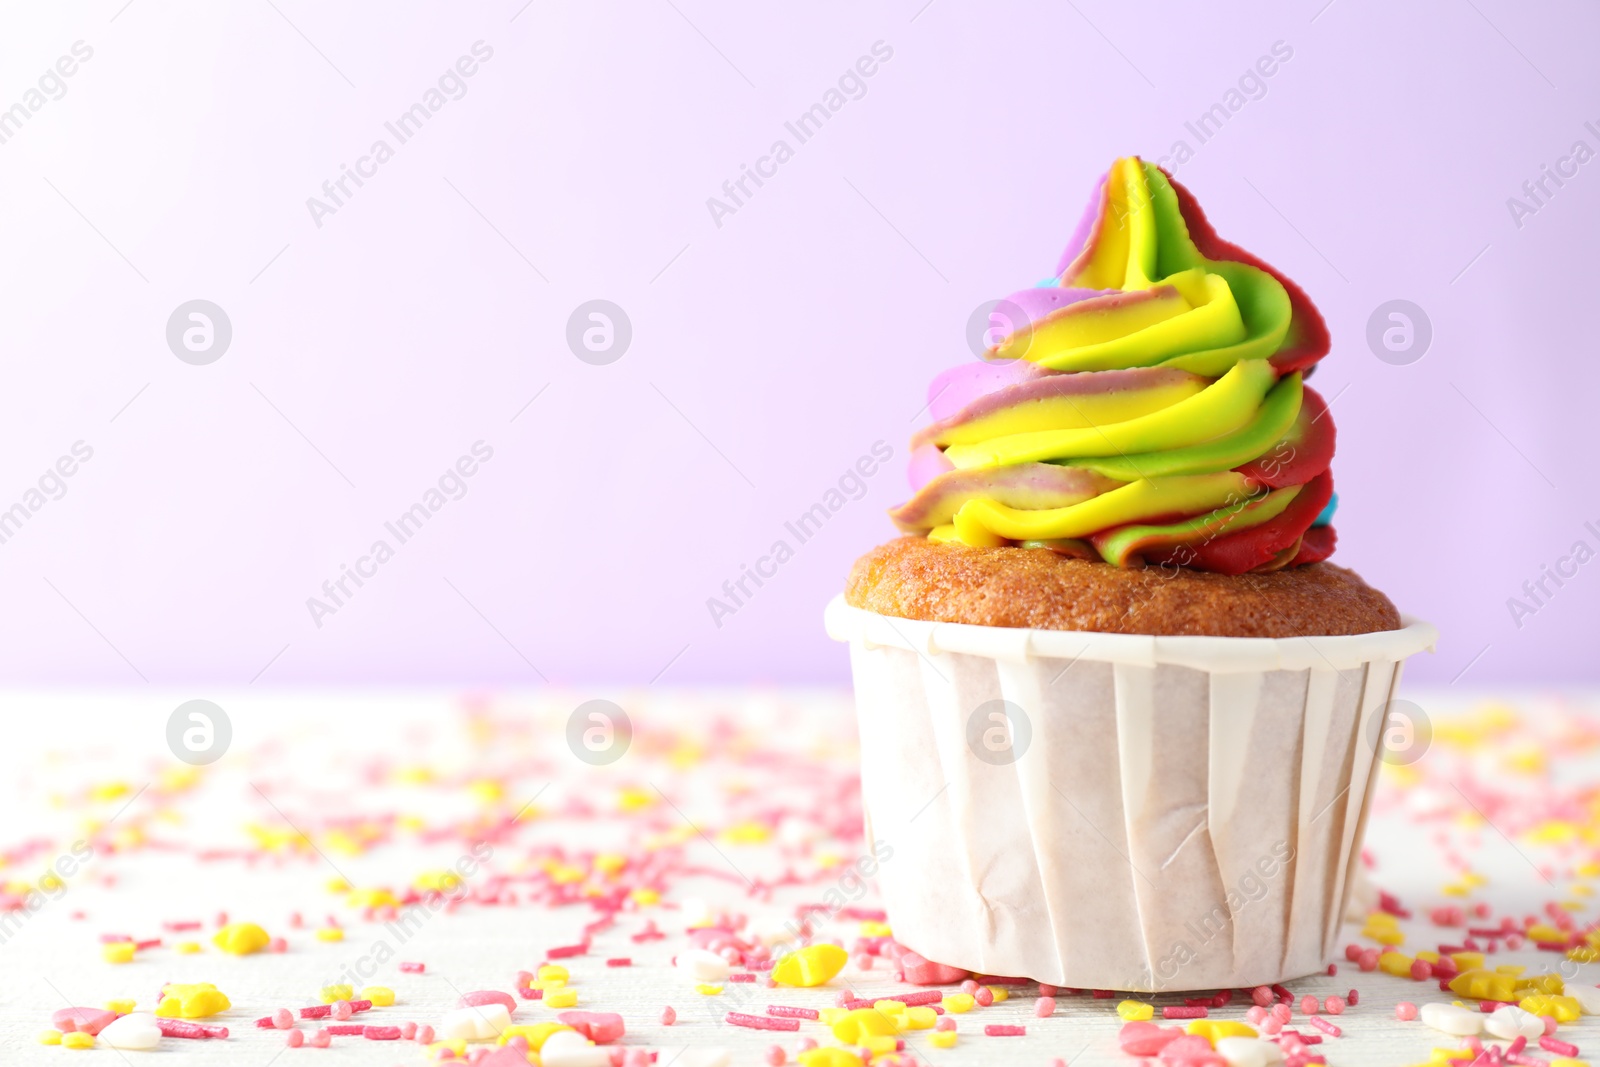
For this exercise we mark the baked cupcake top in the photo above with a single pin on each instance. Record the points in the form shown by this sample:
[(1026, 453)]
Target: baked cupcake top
[(1146, 404)]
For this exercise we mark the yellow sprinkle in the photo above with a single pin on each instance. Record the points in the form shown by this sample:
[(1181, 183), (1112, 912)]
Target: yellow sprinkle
[(1384, 935), (1215, 1029), (921, 1017), (829, 1016), (828, 1057), (49, 1037), (121, 1007), (645, 897), (610, 862), (564, 998), (1545, 932), (876, 929), (1395, 963), (1382, 918), (942, 1039), (999, 993), (710, 989), (372, 898), (535, 1033), (1513, 969), (331, 993), (338, 885), (330, 933), (889, 1007), (1429, 955), (879, 1044), (1136, 1011), (957, 1003), (187, 948), (1563, 1061), (117, 951), (554, 972), (1564, 1009), (810, 966), (1467, 961), (78, 1039), (456, 1045), (380, 995), (858, 1025)]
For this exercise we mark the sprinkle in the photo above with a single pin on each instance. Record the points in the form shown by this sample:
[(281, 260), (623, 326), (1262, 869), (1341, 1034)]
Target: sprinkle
[(1172, 1011), (670, 1016), (562, 952), (984, 996), (620, 961), (1005, 1031), (343, 1030), (294, 1039), (320, 1039), (784, 1011), (78, 1039), (1334, 1005), (378, 996), (760, 1022), (775, 1056), (1561, 1048), (1045, 1007), (381, 1033), (424, 1035), (51, 1036), (1309, 1005), (1325, 1026), (413, 968), (181, 1028)]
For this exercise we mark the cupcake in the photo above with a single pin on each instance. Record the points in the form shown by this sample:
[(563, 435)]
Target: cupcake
[(1120, 717)]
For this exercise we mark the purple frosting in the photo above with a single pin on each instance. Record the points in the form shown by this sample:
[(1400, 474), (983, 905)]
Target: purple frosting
[(1080, 236)]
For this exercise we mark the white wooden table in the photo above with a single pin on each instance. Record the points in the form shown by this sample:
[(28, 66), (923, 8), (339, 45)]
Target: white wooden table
[(396, 768)]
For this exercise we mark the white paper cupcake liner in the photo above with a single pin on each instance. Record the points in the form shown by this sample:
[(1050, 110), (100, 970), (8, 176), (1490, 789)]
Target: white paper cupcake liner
[(1141, 813)]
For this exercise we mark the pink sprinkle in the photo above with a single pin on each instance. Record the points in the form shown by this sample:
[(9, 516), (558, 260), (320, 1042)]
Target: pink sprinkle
[(1353, 997), (1271, 1025), (619, 961), (1333, 969), (530, 994), (1560, 1048), (1309, 1005), (1282, 1012), (1325, 1026), (1263, 996), (844, 998), (1549, 1024), (1517, 1046), (283, 1018), (346, 1030), (562, 952), (984, 996), (1352, 952), (1045, 1007), (1368, 960), (341, 1010), (742, 977), (775, 1056), (945, 1022), (1421, 970), (1172, 1011), (321, 1039), (183, 1028), (1255, 1014), (1405, 1011), (277, 944), (1005, 1031), (807, 1044), (381, 1033), (784, 1011), (668, 1016), (1333, 1005), (294, 1039), (1047, 990), (760, 1022), (969, 986), (408, 1030), (424, 1035), (413, 968)]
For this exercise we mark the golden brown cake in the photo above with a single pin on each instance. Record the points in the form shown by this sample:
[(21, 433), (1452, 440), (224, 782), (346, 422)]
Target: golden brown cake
[(914, 578)]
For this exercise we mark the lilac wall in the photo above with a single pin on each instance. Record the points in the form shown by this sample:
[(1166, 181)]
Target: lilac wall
[(772, 347)]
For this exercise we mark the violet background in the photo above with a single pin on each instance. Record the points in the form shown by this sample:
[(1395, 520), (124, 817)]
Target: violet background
[(768, 354)]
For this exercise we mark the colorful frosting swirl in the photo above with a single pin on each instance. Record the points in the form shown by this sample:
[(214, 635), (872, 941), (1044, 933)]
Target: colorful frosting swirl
[(1146, 405)]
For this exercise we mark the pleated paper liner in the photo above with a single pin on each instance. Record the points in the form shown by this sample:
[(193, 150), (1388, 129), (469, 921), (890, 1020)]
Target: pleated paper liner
[(1110, 811)]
